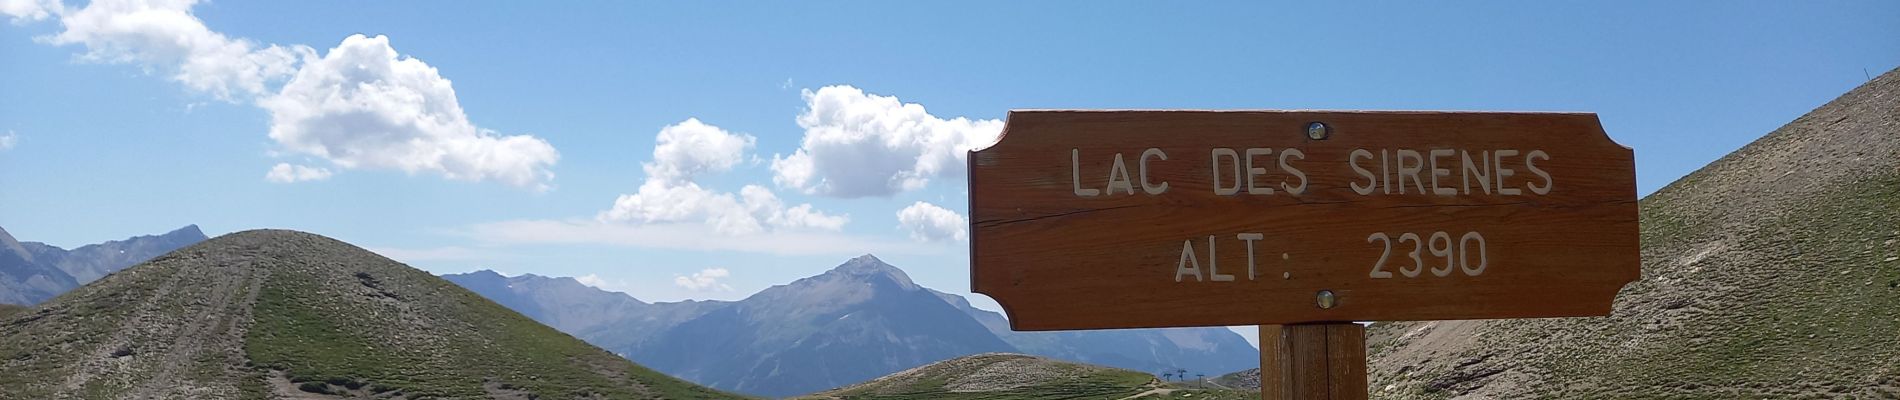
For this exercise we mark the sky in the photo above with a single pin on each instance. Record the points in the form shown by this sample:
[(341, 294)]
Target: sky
[(710, 150)]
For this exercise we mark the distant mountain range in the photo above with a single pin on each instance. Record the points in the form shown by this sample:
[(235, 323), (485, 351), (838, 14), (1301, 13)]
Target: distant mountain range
[(271, 314), (32, 272), (859, 321)]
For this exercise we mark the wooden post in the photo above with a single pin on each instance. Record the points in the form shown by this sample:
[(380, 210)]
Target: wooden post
[(1313, 361)]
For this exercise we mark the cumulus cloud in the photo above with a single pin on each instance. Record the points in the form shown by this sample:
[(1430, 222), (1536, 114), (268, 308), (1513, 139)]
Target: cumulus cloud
[(363, 105), (861, 145), (704, 280), (360, 106), (692, 148), (685, 151), (8, 140), (286, 173), (22, 11), (929, 223), (164, 37)]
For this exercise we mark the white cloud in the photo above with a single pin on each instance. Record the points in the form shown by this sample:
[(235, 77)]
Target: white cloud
[(693, 237), (684, 152), (704, 280), (8, 140), (592, 280), (363, 105), (929, 223), (691, 148), (858, 145), (29, 10), (611, 285), (286, 173), (164, 37)]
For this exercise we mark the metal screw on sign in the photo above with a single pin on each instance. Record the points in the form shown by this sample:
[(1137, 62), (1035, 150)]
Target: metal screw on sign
[(1326, 299), (1318, 131)]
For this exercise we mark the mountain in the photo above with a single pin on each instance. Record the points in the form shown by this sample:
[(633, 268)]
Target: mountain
[(858, 321), (562, 303), (1773, 272), (611, 320), (32, 272), (864, 309), (283, 314), (89, 262), (1201, 350), (23, 279)]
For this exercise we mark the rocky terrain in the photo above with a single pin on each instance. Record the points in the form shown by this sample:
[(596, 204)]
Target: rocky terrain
[(1771, 273), (283, 314), (1248, 379)]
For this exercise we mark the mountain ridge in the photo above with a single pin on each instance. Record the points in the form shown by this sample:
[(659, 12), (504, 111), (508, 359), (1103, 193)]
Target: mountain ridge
[(33, 272), (274, 313), (782, 322), (786, 340)]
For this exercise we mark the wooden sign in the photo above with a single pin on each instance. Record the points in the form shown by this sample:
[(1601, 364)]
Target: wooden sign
[(1130, 219)]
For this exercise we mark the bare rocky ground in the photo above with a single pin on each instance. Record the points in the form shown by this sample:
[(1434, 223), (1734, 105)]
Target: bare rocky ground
[(1249, 379), (1770, 273), (162, 332)]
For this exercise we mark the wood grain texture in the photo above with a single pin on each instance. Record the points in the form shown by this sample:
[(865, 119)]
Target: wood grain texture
[(1313, 361), (1275, 360), (1306, 369), (1346, 361), (1055, 260)]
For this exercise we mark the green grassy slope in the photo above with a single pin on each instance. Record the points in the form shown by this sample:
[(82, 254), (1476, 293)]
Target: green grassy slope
[(1771, 273), (272, 314), (999, 376)]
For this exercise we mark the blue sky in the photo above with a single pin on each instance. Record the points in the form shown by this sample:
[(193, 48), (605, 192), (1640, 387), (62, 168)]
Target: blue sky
[(133, 117)]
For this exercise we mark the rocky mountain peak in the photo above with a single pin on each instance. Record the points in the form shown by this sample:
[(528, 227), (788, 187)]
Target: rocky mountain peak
[(867, 266), (8, 244), (487, 274), (188, 232)]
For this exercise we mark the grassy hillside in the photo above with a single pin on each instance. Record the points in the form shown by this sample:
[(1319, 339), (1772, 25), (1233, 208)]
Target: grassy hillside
[(1771, 273), (277, 314), (999, 376)]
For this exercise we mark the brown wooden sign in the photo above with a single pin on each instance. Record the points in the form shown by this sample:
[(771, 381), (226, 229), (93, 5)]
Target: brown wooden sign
[(1129, 219)]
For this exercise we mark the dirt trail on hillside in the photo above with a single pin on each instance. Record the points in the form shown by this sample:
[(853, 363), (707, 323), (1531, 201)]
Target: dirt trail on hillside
[(188, 334)]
